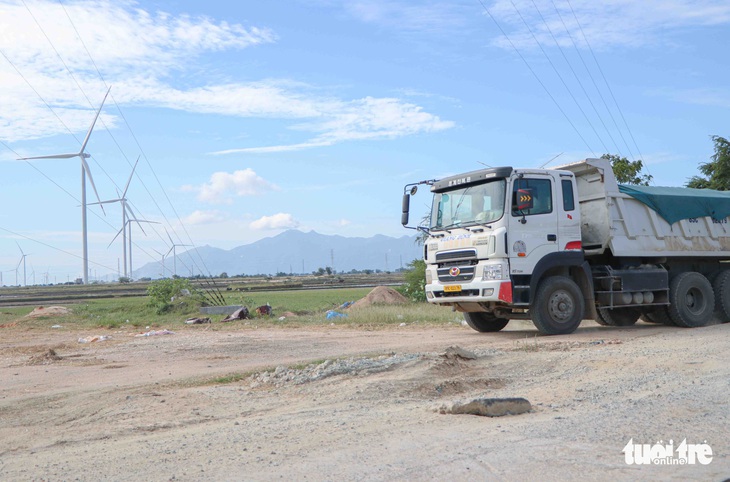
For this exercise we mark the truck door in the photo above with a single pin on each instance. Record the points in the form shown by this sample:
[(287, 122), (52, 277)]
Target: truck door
[(533, 222)]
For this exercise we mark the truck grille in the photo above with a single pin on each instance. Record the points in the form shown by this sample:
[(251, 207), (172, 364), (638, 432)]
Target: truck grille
[(461, 255), (466, 273)]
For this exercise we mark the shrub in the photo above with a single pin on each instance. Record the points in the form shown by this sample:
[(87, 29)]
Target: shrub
[(415, 277), (164, 293)]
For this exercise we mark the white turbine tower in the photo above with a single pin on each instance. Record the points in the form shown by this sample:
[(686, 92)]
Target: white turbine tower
[(174, 253), (83, 155), (122, 199), (22, 260), (131, 217)]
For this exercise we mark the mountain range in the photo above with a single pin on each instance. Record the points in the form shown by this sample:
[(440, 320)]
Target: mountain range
[(292, 251)]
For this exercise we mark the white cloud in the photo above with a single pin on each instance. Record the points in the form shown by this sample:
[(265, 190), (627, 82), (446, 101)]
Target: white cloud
[(203, 217), (277, 221), (223, 186), (141, 52), (363, 119), (133, 48), (625, 23)]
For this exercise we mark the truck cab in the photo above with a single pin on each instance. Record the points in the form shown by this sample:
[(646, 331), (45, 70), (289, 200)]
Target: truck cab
[(493, 234)]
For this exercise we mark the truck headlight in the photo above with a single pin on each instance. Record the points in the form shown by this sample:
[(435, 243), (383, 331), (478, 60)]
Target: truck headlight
[(429, 277), (492, 271)]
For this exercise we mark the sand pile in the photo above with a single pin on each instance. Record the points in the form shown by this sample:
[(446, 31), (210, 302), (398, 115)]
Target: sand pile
[(48, 311), (382, 295)]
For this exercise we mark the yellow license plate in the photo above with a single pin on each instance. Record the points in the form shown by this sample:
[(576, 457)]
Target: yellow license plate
[(452, 288)]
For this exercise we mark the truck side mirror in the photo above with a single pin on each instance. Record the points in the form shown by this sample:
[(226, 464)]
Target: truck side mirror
[(406, 209)]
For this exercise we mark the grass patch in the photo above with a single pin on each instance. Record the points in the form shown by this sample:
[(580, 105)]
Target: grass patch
[(309, 305)]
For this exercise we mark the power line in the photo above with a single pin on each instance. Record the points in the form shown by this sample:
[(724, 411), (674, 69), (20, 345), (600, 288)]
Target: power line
[(570, 92), (539, 81), (593, 80), (607, 86), (575, 75)]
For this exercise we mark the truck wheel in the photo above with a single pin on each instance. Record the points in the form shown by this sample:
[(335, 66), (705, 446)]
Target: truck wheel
[(721, 289), (691, 300), (558, 307), (485, 322), (618, 316), (659, 316)]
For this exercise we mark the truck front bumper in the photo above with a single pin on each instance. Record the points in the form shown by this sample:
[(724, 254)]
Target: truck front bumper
[(483, 291)]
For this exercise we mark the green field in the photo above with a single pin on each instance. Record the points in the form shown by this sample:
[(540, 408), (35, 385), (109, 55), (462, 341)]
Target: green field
[(310, 306)]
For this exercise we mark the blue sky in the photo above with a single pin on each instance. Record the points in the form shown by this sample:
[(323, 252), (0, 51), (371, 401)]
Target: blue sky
[(255, 117)]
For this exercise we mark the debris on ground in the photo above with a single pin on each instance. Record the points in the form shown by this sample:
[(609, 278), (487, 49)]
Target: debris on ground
[(94, 339), (381, 295), (346, 305), (48, 311), (197, 321), (351, 366), (45, 358), (56, 326), (9, 325), (156, 332), (264, 310), (240, 314), (289, 314), (331, 314), (488, 407), (457, 352)]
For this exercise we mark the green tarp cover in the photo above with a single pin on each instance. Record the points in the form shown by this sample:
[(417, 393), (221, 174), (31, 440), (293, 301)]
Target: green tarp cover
[(676, 203)]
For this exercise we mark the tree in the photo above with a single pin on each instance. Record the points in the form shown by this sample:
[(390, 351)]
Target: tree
[(717, 171), (628, 172)]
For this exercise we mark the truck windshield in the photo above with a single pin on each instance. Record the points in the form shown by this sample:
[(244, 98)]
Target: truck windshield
[(467, 206)]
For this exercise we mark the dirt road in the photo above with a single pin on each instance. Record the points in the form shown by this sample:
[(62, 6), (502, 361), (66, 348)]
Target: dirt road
[(360, 405)]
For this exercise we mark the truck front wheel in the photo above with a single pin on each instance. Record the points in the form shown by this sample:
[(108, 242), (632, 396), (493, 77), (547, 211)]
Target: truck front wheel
[(485, 322), (558, 306)]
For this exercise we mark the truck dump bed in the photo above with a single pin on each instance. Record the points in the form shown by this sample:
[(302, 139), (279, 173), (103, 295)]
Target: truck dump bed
[(649, 221)]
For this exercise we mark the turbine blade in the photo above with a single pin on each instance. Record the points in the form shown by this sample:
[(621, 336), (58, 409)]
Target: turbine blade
[(116, 236), (91, 179), (21, 249), (169, 251), (169, 237), (105, 202), (56, 156), (88, 134), (130, 178)]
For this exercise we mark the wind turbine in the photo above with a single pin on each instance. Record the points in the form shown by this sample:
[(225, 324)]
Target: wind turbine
[(122, 199), (174, 253), (82, 155), (22, 260), (128, 224), (163, 256)]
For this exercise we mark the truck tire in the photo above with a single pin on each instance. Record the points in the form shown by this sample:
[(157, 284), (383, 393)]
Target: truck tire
[(691, 301), (721, 289), (659, 316), (558, 307), (618, 316), (485, 322)]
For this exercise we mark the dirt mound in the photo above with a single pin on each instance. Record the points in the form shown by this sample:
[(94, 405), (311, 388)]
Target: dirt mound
[(48, 311), (45, 358), (382, 295)]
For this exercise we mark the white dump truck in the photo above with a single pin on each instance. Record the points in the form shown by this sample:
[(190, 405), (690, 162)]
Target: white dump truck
[(561, 245)]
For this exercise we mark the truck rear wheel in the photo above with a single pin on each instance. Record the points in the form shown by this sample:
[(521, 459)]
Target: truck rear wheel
[(692, 302), (618, 316), (558, 307), (485, 322), (659, 316), (721, 289)]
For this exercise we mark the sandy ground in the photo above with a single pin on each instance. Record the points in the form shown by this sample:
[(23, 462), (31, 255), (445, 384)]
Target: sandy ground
[(135, 408)]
